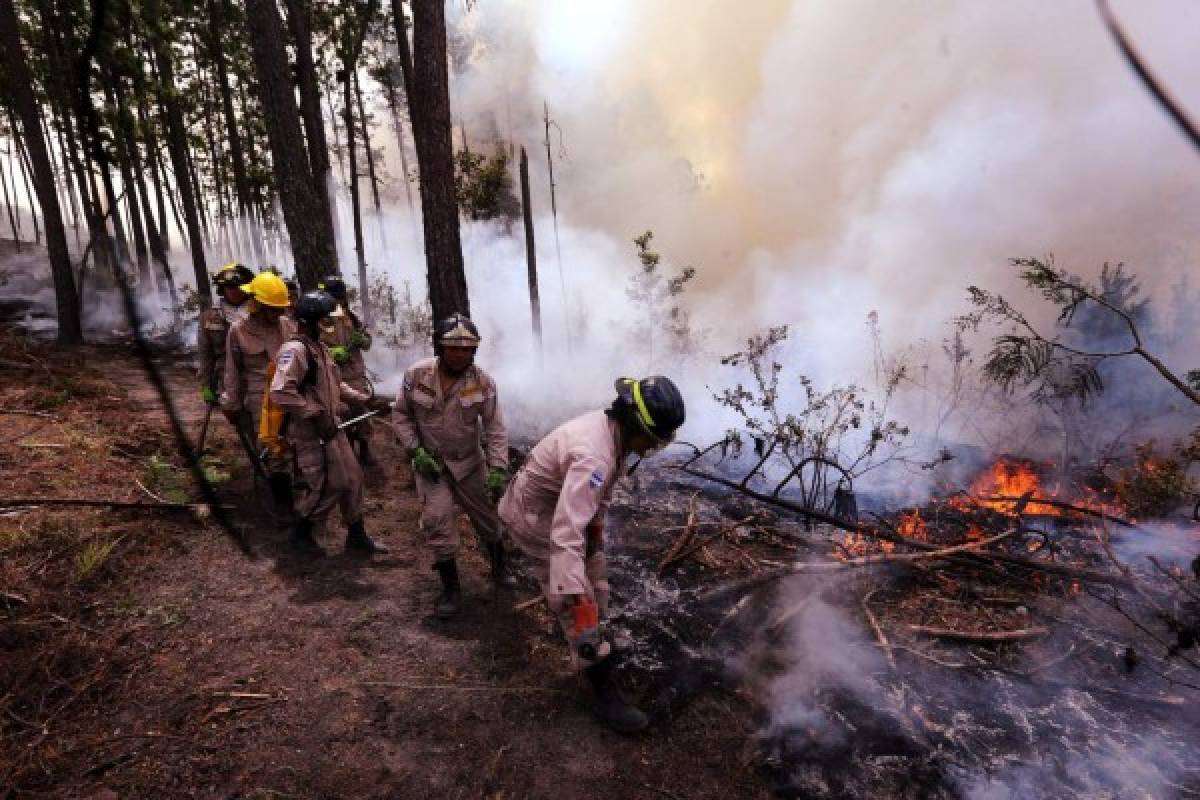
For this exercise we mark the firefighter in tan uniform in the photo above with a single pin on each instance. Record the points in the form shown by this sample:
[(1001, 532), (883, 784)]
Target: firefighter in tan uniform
[(250, 349), (214, 328), (554, 511), (348, 339), (307, 386), (447, 404)]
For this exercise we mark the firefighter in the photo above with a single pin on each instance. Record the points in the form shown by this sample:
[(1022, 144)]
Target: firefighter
[(348, 339), (214, 327), (307, 386), (250, 351), (446, 404), (554, 511)]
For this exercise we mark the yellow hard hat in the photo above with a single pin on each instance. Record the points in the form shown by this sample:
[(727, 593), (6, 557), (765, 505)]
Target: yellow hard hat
[(268, 289)]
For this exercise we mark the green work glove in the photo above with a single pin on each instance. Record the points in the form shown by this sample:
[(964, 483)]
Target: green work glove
[(340, 354), (425, 463), (358, 339), (495, 482), (208, 395)]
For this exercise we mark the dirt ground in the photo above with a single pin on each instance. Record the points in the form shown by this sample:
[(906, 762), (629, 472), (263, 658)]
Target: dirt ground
[(143, 654)]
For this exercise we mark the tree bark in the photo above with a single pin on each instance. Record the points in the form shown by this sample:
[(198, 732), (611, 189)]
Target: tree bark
[(308, 226), (535, 305), (177, 145), (430, 108), (70, 331), (310, 103), (400, 23)]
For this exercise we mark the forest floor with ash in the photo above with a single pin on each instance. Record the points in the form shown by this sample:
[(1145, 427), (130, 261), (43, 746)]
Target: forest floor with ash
[(143, 654)]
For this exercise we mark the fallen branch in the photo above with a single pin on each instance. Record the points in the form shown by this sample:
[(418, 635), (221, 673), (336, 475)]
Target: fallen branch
[(530, 603), (21, 412), (980, 637), (200, 508), (1087, 512), (830, 566), (682, 541), (879, 634), (1079, 573), (448, 687)]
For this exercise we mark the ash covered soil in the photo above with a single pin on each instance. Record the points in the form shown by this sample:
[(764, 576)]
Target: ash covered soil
[(143, 654)]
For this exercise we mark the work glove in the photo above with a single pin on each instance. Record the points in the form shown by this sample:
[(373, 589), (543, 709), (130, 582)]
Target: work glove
[(208, 396), (381, 403), (327, 426), (340, 354), (585, 630), (358, 339), (424, 463), (495, 483)]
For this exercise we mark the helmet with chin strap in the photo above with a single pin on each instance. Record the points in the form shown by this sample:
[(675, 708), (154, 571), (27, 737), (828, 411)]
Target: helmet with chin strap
[(456, 330), (653, 406)]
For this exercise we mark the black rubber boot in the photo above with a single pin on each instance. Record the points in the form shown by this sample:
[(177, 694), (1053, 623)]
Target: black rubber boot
[(282, 500), (612, 707), (365, 456), (357, 541), (302, 538), (446, 604), (501, 575)]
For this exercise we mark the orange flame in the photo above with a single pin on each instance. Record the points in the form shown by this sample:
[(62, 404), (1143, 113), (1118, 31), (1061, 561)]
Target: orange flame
[(1016, 480)]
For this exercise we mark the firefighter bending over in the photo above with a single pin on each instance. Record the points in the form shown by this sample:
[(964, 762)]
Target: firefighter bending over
[(554, 511)]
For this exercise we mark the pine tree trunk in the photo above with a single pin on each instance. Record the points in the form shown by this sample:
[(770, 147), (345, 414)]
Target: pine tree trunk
[(152, 157), (220, 15), (177, 145), (23, 164), (8, 205), (355, 31), (70, 331), (124, 161), (308, 225), (430, 107), (400, 23), (310, 103), (366, 135)]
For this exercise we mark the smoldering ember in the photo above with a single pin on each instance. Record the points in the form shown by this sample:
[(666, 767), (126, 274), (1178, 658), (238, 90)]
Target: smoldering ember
[(537, 399)]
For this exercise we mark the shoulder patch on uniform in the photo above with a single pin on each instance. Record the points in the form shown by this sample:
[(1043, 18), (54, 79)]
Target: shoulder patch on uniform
[(285, 357), (597, 479)]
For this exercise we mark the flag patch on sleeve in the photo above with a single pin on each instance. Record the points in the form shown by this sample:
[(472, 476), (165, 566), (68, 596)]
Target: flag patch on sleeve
[(597, 479)]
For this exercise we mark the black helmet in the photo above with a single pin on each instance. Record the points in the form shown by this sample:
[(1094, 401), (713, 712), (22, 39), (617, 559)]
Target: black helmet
[(232, 274), (456, 330), (334, 285), (654, 404), (313, 307)]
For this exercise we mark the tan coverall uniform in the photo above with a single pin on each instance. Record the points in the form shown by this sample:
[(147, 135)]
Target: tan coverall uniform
[(554, 511), (251, 345), (336, 331), (449, 426), (210, 341), (326, 475)]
